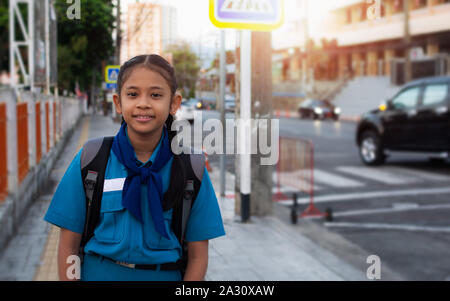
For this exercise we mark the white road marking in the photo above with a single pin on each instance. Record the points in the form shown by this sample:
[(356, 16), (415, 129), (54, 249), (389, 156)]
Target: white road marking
[(405, 207), (334, 180), (357, 196), (298, 180), (422, 174), (378, 174), (374, 226)]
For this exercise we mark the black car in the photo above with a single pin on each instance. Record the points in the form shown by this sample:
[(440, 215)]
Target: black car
[(318, 109), (417, 119)]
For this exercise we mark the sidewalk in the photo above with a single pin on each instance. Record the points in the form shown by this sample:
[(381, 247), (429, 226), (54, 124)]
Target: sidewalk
[(266, 248)]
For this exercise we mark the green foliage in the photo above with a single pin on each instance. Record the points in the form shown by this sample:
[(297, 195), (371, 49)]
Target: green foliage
[(186, 66), (83, 44), (4, 35)]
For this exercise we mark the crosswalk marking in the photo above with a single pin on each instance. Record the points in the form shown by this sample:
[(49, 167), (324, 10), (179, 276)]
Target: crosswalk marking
[(425, 175), (334, 180), (390, 175), (293, 179), (378, 174)]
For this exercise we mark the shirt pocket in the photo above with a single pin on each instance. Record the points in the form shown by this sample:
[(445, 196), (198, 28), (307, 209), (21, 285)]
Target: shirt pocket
[(156, 241), (111, 228)]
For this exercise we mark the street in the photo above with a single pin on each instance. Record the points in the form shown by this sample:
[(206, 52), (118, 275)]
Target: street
[(398, 211)]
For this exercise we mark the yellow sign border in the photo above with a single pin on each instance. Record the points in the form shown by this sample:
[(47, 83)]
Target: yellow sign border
[(243, 26), (106, 73)]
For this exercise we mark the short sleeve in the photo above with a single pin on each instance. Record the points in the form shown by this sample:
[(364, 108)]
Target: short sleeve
[(205, 220), (68, 206)]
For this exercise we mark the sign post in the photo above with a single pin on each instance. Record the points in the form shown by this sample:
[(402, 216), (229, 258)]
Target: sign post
[(246, 15)]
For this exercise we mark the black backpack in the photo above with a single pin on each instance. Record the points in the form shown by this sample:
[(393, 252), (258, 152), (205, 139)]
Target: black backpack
[(187, 171)]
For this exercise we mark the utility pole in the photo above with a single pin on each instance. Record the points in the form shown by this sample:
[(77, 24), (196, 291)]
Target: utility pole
[(118, 34), (305, 65), (407, 42), (261, 89), (222, 83)]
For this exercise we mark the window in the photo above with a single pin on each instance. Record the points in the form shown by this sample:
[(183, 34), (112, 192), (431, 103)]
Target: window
[(434, 94), (406, 99)]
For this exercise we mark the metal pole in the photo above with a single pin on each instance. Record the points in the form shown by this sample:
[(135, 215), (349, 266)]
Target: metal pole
[(12, 45), (222, 109), (407, 41), (245, 135), (31, 31), (47, 47)]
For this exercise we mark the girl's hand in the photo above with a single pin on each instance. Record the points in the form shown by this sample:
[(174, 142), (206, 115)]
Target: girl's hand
[(197, 261)]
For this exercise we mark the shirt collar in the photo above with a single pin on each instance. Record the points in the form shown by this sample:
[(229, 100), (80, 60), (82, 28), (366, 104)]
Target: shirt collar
[(155, 152)]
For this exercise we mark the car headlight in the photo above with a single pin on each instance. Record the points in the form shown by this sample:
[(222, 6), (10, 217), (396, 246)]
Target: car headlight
[(337, 110), (318, 111)]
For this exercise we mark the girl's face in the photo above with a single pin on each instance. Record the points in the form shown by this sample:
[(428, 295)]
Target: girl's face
[(145, 102)]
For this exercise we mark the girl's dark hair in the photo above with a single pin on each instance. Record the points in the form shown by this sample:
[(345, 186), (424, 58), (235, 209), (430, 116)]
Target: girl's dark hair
[(157, 64)]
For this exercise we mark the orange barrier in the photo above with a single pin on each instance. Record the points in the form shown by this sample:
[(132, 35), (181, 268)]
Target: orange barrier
[(295, 171), (22, 141), (208, 167), (38, 132), (3, 154), (54, 123), (47, 125)]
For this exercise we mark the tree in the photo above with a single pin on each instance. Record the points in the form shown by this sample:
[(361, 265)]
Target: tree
[(185, 62), (83, 44), (4, 35)]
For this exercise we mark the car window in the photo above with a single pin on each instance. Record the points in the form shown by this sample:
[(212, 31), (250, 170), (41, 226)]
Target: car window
[(406, 99), (435, 94)]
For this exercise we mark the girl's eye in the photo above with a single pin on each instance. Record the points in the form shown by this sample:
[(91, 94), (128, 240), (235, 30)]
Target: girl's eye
[(156, 95), (132, 94)]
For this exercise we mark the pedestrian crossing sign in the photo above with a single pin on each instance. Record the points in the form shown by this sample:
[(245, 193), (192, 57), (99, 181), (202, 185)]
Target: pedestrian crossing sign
[(260, 15), (111, 74)]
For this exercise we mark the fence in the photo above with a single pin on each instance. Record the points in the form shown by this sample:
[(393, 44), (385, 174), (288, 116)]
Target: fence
[(295, 174), (33, 131), (31, 125)]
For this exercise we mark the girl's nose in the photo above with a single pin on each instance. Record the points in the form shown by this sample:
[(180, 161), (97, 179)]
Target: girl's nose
[(144, 103)]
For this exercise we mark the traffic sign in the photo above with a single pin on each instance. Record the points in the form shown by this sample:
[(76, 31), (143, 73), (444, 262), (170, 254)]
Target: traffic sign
[(261, 15), (111, 74), (110, 86)]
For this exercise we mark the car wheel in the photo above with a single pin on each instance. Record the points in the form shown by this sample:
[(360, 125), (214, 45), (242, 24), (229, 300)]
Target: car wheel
[(370, 149)]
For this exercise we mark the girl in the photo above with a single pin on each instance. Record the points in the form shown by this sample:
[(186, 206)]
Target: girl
[(133, 230)]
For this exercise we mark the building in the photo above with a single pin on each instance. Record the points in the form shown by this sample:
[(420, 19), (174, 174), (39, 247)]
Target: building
[(370, 37), (147, 28)]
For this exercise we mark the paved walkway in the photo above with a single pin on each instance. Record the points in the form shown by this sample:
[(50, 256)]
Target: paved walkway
[(266, 248)]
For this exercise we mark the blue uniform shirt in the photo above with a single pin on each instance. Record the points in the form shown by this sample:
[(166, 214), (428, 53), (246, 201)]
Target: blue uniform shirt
[(119, 235)]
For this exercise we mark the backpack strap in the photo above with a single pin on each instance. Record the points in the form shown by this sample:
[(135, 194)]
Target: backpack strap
[(189, 167), (94, 158)]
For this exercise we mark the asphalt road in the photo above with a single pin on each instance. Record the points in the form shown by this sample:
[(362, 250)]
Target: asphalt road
[(398, 211)]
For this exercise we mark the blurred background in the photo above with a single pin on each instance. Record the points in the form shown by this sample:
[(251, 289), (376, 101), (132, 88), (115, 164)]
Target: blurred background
[(361, 89)]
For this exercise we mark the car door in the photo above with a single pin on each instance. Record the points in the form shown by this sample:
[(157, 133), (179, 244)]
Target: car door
[(433, 116), (397, 120)]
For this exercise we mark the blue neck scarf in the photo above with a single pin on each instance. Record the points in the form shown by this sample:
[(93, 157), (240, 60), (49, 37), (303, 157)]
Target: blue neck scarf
[(131, 194)]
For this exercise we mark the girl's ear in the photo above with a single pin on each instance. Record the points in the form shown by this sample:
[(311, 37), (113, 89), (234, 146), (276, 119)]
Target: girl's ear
[(117, 104), (176, 103)]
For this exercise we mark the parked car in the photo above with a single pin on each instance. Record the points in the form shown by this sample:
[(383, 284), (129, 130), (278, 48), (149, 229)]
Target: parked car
[(318, 109), (186, 110), (417, 119)]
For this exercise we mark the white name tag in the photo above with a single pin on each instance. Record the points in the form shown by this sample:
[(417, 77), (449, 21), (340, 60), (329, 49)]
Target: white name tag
[(113, 184)]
